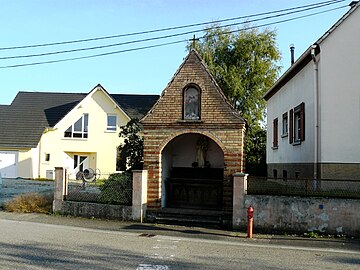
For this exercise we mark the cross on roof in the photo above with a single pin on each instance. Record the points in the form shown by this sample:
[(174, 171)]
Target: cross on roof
[(194, 39)]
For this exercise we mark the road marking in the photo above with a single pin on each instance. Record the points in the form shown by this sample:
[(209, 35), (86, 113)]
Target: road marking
[(163, 246), (152, 267), (185, 239)]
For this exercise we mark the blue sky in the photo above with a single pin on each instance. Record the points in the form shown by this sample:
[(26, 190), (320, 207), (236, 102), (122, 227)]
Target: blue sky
[(27, 22)]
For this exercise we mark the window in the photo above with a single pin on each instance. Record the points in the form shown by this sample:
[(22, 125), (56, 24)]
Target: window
[(275, 173), (285, 125), (191, 101), (111, 122), (79, 129), (47, 157), (275, 133), (297, 124), (285, 175)]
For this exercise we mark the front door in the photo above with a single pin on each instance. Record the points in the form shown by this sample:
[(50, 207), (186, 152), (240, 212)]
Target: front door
[(81, 162)]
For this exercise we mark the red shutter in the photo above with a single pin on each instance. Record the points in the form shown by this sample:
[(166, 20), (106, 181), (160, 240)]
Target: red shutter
[(275, 133), (302, 121), (291, 126)]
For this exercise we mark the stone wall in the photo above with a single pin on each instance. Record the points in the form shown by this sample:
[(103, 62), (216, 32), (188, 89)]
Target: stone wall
[(341, 171), (89, 210), (297, 214)]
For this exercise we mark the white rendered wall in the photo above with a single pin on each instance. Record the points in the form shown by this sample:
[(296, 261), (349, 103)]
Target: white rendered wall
[(340, 93), (299, 89)]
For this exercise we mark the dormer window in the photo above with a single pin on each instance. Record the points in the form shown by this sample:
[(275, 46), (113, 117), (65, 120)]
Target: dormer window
[(79, 129), (191, 101)]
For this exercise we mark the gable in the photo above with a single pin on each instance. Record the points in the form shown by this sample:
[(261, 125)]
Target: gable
[(214, 108), (23, 122), (306, 57)]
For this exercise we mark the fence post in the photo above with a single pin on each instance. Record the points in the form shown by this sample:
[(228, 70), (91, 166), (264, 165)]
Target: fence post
[(139, 198), (60, 188), (239, 193)]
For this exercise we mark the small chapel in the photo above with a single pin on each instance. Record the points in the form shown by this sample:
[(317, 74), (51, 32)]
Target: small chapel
[(193, 144)]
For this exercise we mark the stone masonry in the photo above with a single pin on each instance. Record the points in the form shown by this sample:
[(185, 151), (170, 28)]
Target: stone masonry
[(219, 121)]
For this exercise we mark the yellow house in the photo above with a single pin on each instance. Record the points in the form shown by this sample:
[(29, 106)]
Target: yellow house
[(41, 131)]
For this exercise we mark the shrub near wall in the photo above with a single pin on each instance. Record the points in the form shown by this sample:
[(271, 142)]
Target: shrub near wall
[(117, 189)]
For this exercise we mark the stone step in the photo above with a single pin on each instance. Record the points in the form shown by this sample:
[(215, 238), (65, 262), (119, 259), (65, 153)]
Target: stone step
[(204, 218)]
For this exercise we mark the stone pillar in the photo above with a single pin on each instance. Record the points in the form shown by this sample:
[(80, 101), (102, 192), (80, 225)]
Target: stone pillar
[(239, 193), (60, 189), (139, 197)]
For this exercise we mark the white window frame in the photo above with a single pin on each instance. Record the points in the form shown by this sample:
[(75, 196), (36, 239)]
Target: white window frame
[(297, 125), (83, 134), (111, 128), (285, 124)]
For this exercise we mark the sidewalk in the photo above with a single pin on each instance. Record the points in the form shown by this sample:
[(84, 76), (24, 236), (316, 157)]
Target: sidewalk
[(150, 230)]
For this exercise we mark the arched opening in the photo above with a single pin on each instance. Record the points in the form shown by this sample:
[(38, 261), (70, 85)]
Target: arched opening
[(192, 169)]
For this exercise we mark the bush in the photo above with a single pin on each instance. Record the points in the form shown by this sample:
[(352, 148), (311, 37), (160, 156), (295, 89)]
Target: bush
[(29, 203), (117, 189)]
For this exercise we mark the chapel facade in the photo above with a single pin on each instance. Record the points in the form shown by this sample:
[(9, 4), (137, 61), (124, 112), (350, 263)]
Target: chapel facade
[(193, 142)]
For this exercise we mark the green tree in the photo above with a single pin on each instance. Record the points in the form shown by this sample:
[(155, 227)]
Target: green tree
[(131, 152), (244, 63)]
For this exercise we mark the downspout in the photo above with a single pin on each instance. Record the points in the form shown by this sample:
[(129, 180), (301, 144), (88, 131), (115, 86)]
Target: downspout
[(316, 111), (39, 158)]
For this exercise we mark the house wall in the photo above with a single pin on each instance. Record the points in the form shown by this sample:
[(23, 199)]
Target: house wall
[(101, 145), (292, 157), (340, 100), (27, 162)]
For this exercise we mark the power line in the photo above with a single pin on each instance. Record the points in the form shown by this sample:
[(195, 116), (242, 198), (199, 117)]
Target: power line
[(163, 44), (169, 28), (160, 37), (92, 56)]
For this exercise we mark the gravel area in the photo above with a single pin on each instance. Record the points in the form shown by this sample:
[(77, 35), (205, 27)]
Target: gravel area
[(10, 188)]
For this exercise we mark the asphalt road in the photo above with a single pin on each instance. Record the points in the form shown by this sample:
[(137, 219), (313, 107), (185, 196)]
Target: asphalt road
[(35, 245)]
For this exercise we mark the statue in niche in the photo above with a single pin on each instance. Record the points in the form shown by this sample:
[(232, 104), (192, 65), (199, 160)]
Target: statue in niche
[(191, 108), (202, 146)]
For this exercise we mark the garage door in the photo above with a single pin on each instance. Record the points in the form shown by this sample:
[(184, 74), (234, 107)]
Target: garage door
[(8, 164)]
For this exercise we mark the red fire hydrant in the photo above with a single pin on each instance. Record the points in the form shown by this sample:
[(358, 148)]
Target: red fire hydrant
[(250, 216)]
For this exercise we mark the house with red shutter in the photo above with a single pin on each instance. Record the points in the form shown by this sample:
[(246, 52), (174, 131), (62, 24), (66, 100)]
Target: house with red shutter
[(313, 110)]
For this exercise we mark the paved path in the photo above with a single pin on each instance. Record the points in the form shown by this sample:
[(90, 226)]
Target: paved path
[(34, 245), (10, 188)]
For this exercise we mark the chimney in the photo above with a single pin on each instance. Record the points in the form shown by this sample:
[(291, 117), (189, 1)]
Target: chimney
[(292, 49), (353, 3)]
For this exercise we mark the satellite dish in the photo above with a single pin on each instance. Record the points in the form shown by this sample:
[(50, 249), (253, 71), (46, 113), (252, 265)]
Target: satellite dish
[(88, 175)]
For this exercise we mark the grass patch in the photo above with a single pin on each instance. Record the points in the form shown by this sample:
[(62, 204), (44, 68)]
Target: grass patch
[(29, 203)]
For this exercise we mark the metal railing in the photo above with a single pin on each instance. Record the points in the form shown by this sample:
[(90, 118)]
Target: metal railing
[(113, 188), (304, 187)]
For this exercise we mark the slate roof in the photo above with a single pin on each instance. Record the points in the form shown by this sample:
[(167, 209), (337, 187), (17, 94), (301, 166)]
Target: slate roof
[(23, 122)]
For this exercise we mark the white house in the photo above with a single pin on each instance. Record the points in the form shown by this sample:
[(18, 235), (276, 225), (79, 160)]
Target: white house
[(314, 108), (40, 131)]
